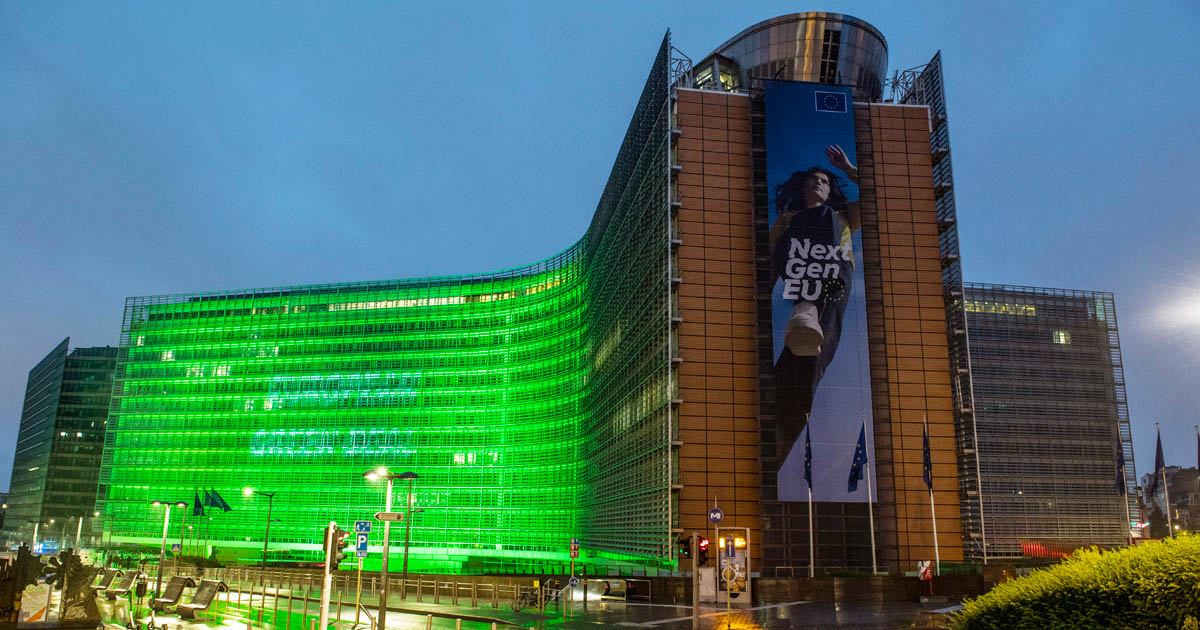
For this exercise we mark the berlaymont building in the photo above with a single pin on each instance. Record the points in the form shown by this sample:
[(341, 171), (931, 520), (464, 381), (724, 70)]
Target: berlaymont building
[(770, 277)]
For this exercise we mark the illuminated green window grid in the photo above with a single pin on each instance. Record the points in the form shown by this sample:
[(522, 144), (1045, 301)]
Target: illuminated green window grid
[(534, 403)]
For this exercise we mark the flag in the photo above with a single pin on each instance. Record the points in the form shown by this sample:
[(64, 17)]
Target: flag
[(1120, 471), (834, 102), (197, 507), (807, 458), (860, 460), (927, 464), (220, 501), (209, 501)]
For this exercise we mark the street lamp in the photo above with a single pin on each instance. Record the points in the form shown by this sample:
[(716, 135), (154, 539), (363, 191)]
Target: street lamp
[(266, 537), (162, 550), (376, 475)]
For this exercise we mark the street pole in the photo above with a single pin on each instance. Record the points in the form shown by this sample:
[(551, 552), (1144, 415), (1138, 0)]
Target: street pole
[(327, 579), (162, 550), (407, 530), (182, 534), (33, 545), (78, 531), (267, 536), (381, 623), (695, 546)]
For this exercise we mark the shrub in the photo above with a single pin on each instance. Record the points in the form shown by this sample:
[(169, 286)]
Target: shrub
[(1150, 586)]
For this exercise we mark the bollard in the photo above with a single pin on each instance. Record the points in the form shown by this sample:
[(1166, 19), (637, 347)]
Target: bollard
[(291, 590), (428, 622), (458, 624)]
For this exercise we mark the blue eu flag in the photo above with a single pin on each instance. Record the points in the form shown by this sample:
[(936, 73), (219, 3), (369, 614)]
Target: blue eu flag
[(927, 464), (197, 506), (808, 457), (834, 102), (860, 460)]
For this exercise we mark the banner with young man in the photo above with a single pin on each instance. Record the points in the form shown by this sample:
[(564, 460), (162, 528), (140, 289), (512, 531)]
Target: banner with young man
[(818, 305)]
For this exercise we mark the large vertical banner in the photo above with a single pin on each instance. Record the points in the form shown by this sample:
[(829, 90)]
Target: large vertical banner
[(818, 304)]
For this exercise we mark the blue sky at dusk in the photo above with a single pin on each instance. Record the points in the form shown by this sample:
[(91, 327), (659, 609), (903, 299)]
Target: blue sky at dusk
[(164, 147)]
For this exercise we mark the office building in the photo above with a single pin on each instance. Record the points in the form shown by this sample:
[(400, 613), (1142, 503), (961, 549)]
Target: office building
[(1051, 416), (717, 321), (57, 460)]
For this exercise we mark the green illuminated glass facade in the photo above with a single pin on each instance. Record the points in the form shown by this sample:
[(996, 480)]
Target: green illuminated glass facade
[(534, 403)]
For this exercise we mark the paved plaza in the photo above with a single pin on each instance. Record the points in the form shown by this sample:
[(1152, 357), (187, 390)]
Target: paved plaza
[(259, 612)]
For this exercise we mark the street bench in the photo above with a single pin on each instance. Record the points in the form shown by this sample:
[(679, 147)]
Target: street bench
[(106, 579), (172, 593), (127, 582), (205, 594)]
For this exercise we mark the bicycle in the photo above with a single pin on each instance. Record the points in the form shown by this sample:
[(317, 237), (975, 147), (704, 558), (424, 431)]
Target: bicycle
[(526, 597)]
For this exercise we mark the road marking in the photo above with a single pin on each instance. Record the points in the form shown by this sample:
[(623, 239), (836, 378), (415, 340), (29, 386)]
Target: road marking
[(651, 624)]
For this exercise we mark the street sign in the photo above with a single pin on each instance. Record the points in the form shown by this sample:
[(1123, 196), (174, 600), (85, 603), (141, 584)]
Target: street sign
[(925, 568), (176, 547), (574, 548), (360, 544), (728, 547), (573, 581), (715, 516), (393, 517), (362, 527)]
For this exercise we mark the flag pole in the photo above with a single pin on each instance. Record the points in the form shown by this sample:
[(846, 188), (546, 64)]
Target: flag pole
[(1125, 500), (871, 518), (1166, 490), (937, 556), (812, 553)]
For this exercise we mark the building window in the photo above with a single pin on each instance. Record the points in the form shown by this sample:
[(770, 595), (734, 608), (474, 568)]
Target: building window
[(829, 56), (1062, 336)]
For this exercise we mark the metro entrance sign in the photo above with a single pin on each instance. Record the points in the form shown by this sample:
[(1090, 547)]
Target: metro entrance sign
[(393, 517), (715, 516)]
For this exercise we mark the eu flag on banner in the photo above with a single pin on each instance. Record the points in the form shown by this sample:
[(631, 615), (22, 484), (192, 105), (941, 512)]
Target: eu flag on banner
[(1120, 471), (927, 464), (834, 102), (808, 457), (860, 460), (197, 507)]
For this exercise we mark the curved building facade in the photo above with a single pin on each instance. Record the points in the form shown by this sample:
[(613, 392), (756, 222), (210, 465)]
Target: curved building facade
[(533, 404), (815, 46)]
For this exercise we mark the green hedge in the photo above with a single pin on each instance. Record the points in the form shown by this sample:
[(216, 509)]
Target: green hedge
[(1147, 587)]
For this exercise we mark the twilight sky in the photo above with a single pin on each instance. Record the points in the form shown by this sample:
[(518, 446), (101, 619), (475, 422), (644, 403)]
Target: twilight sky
[(155, 147)]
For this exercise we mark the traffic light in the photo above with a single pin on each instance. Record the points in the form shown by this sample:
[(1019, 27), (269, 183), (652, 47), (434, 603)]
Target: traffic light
[(337, 541), (702, 553), (685, 545)]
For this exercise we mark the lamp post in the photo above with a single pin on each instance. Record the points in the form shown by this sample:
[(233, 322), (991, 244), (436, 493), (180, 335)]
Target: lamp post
[(376, 475), (162, 550), (267, 536)]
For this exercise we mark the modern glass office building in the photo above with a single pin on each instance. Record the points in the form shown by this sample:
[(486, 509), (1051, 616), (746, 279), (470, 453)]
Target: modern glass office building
[(533, 403), (59, 443), (612, 393), (1051, 417)]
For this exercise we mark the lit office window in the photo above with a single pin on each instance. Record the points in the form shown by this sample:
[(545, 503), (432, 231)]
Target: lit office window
[(1062, 336)]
